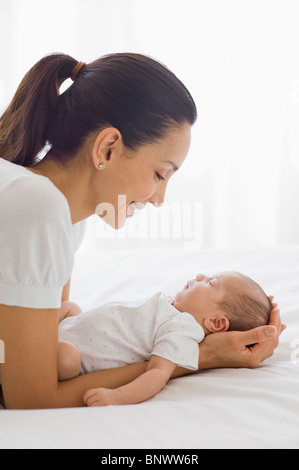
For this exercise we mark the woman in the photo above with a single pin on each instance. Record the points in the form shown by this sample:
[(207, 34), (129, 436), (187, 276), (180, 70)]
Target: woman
[(122, 128)]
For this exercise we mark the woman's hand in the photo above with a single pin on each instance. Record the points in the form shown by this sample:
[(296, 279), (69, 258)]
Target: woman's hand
[(230, 349)]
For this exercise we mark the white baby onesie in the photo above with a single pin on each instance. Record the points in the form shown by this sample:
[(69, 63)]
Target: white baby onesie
[(118, 334)]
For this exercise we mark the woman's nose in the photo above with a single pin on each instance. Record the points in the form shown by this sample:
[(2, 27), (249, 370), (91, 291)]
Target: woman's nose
[(156, 203), (157, 199)]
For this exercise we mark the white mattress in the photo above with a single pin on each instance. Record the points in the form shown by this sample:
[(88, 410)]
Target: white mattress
[(224, 408)]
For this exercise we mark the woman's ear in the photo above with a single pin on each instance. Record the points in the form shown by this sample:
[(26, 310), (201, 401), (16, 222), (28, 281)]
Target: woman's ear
[(217, 323), (104, 146)]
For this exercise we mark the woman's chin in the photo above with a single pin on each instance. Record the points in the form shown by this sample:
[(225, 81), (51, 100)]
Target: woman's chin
[(117, 219)]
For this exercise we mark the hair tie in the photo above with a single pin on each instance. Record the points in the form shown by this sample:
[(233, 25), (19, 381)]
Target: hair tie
[(77, 69)]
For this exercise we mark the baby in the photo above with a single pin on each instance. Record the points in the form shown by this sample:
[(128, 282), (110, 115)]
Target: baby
[(161, 330)]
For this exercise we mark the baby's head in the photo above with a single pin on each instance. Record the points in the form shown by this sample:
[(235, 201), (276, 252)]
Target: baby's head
[(226, 301)]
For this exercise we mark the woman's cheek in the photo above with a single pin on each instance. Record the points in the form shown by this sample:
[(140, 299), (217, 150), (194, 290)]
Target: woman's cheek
[(145, 188)]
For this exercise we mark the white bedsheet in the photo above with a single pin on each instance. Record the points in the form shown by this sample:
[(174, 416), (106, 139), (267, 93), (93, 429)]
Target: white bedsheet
[(225, 408)]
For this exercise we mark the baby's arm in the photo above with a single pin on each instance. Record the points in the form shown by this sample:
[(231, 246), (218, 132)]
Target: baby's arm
[(144, 387)]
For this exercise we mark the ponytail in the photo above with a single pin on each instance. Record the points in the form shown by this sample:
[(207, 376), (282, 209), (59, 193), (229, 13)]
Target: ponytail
[(23, 126), (134, 93)]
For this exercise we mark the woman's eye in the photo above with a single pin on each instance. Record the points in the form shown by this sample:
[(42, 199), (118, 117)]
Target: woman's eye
[(159, 176)]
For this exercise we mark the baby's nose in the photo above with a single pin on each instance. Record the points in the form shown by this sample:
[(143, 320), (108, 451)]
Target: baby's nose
[(199, 277)]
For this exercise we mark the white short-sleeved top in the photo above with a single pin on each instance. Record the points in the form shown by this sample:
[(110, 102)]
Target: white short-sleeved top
[(118, 333), (37, 239)]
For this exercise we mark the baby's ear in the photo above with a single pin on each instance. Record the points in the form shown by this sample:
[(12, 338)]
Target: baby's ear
[(217, 323)]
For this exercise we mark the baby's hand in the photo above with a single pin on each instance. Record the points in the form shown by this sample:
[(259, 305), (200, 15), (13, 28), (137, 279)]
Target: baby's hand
[(102, 397)]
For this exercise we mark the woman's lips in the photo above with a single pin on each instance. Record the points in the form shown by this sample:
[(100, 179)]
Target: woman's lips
[(134, 206)]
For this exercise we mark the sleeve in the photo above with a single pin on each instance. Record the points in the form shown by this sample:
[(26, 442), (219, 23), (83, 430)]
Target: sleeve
[(177, 340), (36, 238)]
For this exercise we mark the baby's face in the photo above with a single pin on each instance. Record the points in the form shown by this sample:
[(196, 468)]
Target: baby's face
[(201, 295)]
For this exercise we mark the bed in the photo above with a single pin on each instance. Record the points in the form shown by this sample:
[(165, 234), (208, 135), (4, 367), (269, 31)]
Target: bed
[(214, 409)]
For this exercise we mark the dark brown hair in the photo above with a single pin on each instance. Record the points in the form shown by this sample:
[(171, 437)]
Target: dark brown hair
[(246, 309), (134, 93)]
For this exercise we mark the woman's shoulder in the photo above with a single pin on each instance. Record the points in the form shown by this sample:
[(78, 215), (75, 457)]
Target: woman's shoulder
[(35, 240), (24, 193)]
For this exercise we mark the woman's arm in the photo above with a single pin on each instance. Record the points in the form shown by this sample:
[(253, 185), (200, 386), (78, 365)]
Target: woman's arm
[(29, 374), (66, 291), (143, 388), (67, 309)]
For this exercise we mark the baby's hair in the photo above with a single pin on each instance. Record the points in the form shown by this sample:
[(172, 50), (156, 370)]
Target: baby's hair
[(247, 309)]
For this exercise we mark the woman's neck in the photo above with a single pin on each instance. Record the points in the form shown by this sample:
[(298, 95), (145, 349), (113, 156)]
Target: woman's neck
[(72, 181)]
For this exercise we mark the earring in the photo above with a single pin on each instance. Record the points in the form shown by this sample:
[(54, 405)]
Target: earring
[(101, 165)]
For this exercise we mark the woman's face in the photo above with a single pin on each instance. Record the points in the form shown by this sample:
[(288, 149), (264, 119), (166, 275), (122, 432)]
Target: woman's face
[(136, 178)]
